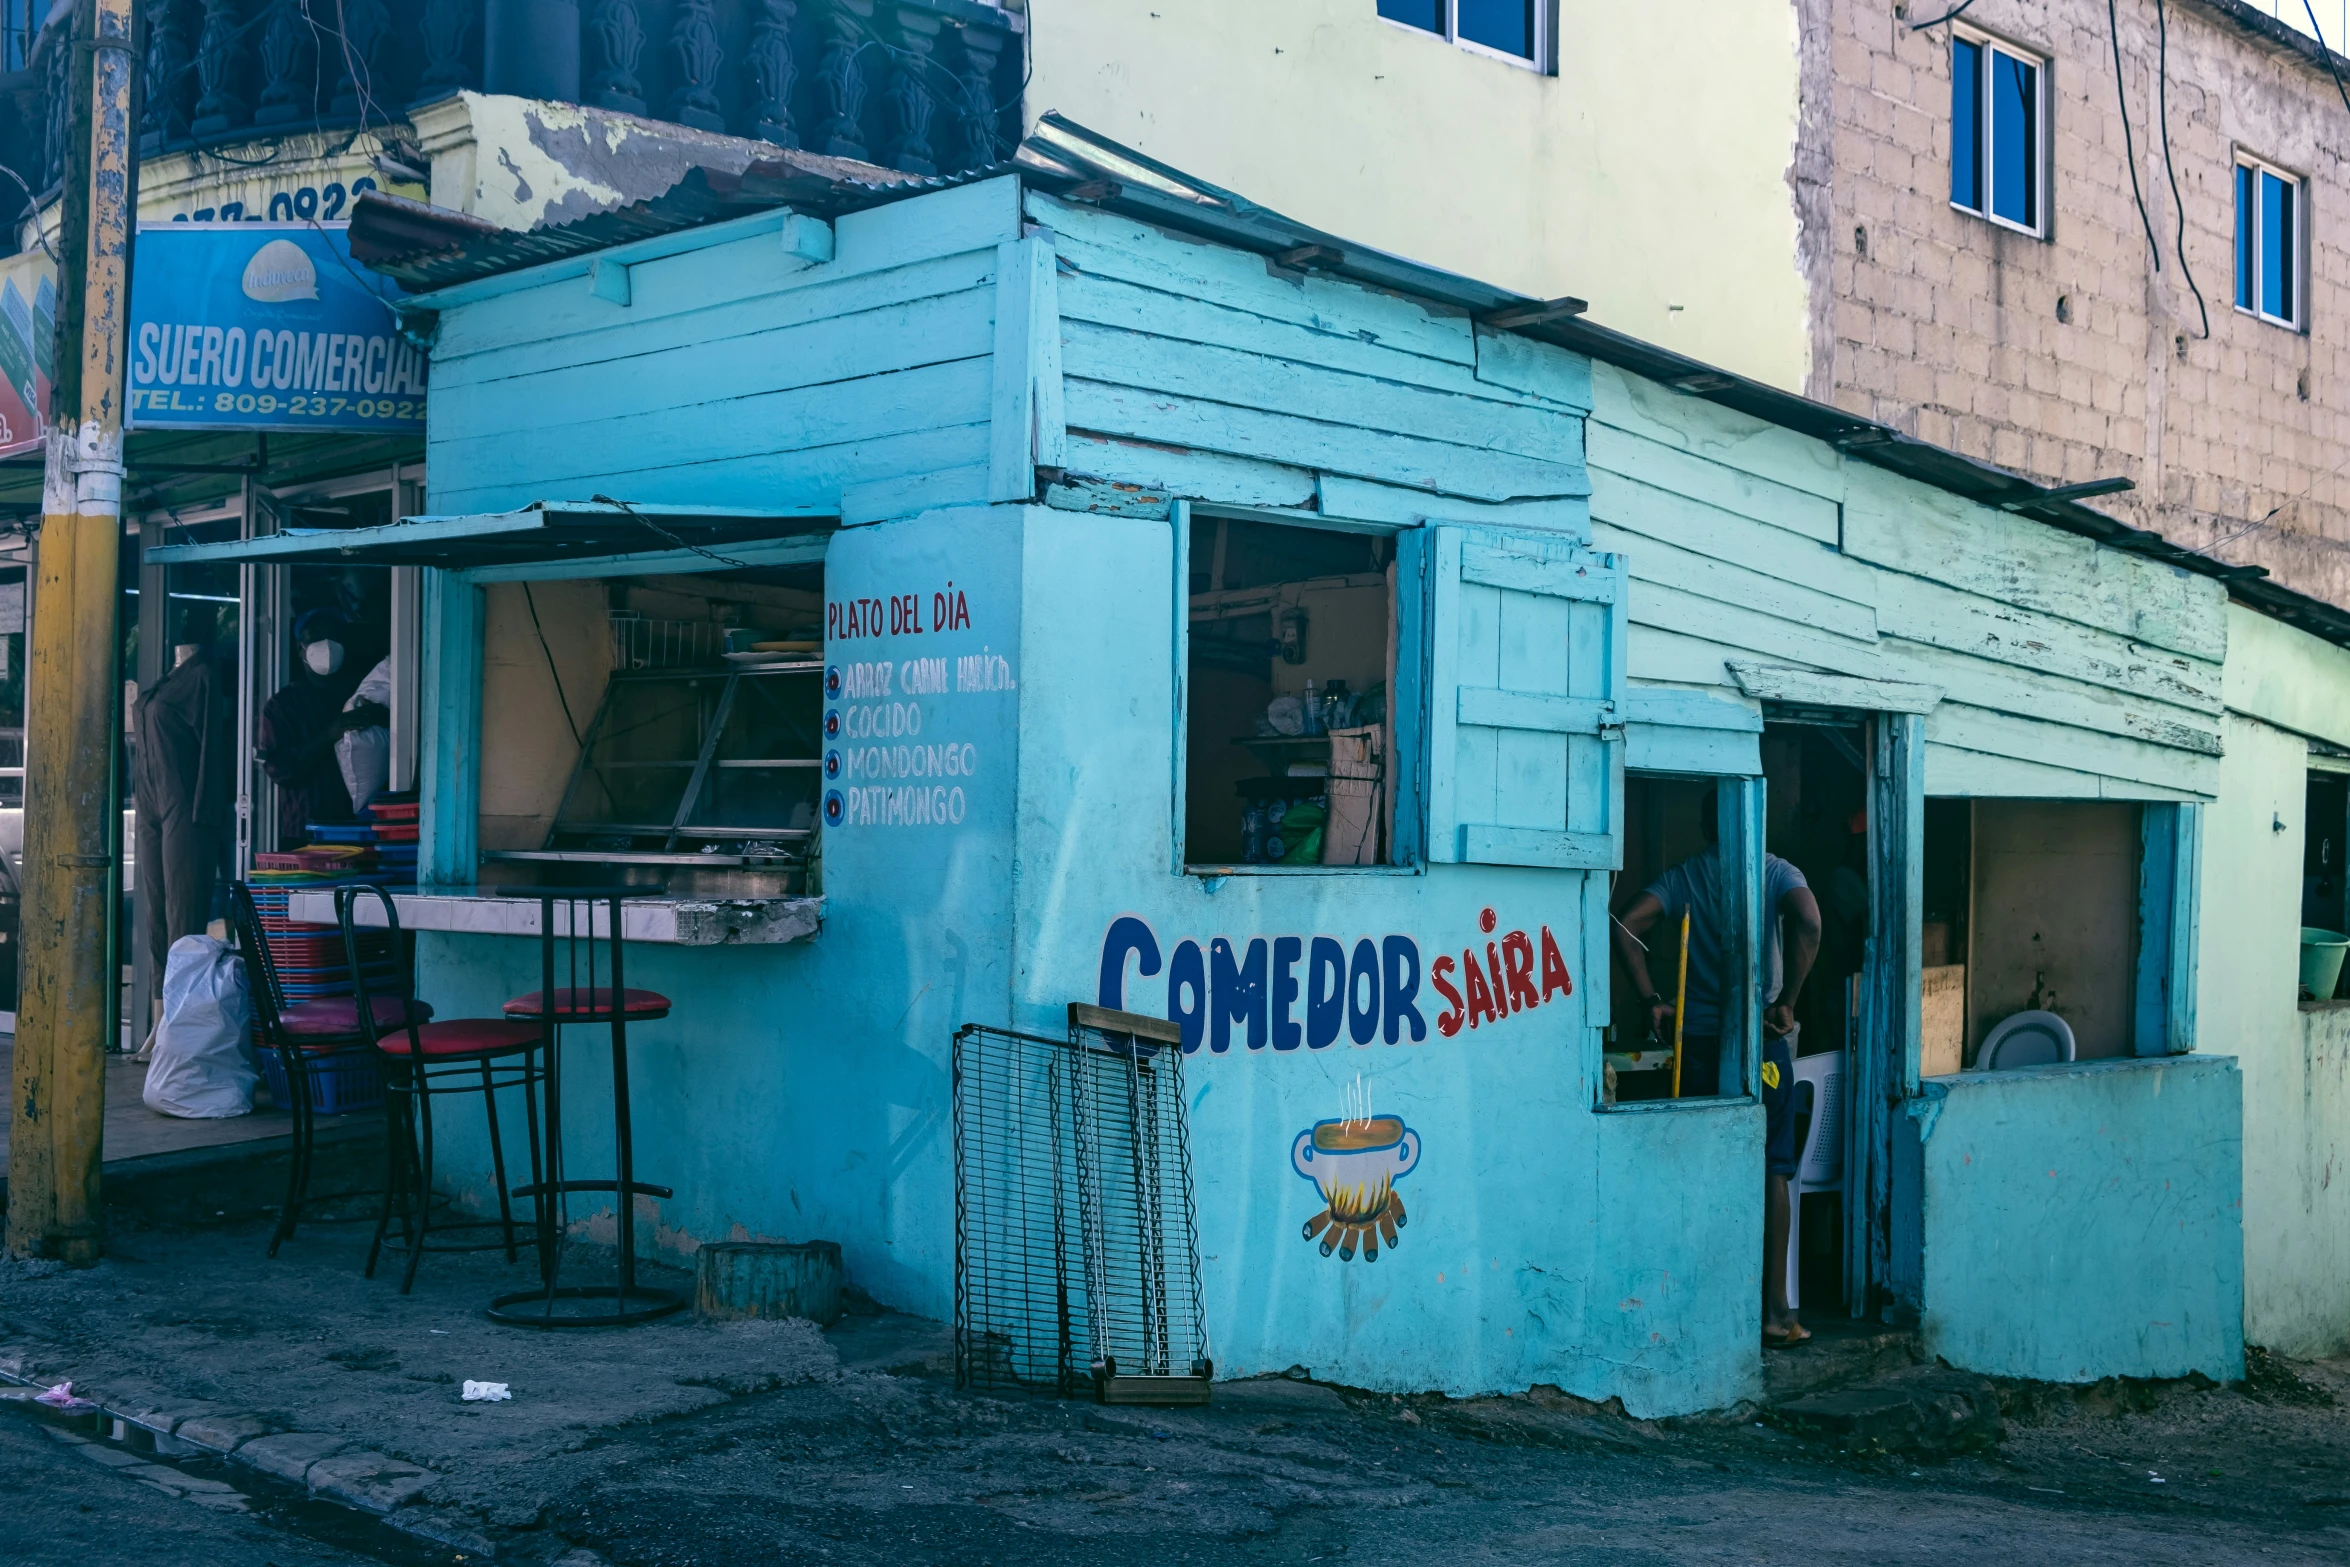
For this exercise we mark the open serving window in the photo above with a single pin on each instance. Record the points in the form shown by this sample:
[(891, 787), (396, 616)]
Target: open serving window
[(613, 692), (699, 768)]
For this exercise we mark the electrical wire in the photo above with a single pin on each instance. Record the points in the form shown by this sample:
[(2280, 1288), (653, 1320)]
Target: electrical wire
[(723, 560), (2268, 517), (553, 673), (355, 68), (2178, 202), (1950, 15), (2327, 50), (931, 63), (32, 208), (2121, 97)]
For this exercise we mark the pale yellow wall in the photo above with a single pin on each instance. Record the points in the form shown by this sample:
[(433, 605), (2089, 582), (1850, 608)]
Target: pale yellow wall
[(1651, 172), (2296, 1273), (2281, 685), (527, 750), (2287, 677)]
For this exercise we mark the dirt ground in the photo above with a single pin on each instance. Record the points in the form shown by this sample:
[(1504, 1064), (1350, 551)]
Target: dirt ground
[(686, 1442)]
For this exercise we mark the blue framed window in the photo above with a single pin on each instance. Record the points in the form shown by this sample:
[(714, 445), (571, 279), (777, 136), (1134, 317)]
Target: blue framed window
[(20, 25), (1515, 29), (2269, 224), (1998, 120)]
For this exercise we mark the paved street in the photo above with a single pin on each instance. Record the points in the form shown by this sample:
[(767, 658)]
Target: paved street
[(689, 1443), (897, 1470), (62, 1508)]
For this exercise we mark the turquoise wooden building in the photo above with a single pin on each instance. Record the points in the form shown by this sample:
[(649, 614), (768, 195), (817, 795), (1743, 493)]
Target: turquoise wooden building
[(1081, 472)]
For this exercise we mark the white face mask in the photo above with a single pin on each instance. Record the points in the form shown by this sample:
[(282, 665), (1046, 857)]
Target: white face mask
[(324, 658)]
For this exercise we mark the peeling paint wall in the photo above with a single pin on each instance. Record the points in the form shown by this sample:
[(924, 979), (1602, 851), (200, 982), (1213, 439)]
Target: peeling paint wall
[(520, 163), (523, 163)]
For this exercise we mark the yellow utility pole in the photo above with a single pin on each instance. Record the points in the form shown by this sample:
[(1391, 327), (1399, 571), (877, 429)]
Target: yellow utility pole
[(73, 688)]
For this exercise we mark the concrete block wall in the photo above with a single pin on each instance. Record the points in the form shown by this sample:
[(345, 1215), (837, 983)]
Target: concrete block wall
[(2071, 357)]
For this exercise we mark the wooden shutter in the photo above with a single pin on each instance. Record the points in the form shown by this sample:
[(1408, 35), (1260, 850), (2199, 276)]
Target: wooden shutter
[(1525, 692)]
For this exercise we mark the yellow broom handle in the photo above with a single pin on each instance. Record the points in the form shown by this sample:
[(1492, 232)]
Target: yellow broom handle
[(1680, 1002)]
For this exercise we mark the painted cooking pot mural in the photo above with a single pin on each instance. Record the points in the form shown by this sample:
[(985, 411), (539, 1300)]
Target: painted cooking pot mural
[(1356, 1163)]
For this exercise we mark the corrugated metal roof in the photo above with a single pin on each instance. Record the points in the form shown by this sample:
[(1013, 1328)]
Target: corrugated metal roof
[(425, 248)]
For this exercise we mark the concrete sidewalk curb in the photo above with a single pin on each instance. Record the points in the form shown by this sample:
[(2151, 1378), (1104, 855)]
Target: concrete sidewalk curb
[(222, 1434), (290, 1455), (215, 1494), (369, 1481), (331, 1467)]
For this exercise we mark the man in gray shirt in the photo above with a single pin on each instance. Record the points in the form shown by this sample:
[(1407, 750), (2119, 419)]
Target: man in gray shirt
[(1702, 887)]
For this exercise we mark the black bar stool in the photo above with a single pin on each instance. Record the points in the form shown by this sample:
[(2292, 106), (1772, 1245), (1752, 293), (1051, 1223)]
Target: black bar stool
[(323, 1032), (428, 1060), (581, 981)]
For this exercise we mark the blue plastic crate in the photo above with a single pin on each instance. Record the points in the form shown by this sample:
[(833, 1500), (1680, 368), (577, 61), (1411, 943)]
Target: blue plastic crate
[(339, 1084)]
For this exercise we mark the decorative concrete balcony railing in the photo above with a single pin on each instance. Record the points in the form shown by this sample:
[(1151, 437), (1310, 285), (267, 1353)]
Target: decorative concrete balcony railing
[(926, 86)]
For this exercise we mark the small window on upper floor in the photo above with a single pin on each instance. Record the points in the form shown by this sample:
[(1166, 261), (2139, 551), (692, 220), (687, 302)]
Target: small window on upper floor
[(1998, 119), (2269, 224), (1517, 29)]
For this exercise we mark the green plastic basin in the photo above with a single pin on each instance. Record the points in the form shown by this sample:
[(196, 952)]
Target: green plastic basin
[(2321, 961)]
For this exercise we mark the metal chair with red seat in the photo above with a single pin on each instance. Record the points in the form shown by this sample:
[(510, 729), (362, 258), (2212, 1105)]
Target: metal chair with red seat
[(425, 1060), (320, 1033), (582, 934)]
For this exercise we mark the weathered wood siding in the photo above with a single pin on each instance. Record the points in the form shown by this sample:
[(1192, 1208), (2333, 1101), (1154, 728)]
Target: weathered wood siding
[(737, 374), (2068, 670), (1201, 370)]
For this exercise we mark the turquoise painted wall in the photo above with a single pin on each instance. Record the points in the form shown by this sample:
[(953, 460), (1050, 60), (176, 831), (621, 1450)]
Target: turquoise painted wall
[(1542, 1244), (737, 373), (804, 1091), (2083, 1221)]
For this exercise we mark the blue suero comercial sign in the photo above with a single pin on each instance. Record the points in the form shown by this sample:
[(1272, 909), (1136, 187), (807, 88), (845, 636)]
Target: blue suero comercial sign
[(266, 326)]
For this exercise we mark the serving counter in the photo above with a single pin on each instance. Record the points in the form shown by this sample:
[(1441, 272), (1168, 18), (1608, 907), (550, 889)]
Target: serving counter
[(683, 922)]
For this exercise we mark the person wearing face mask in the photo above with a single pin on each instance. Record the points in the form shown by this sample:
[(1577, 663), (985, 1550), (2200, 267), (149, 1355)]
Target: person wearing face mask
[(300, 725)]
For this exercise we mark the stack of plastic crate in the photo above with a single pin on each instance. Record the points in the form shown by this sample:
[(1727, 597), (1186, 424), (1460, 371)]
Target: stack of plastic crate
[(309, 955), (392, 824), (311, 963)]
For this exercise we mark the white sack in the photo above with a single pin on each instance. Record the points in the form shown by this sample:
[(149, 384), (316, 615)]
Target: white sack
[(365, 755), (201, 1069)]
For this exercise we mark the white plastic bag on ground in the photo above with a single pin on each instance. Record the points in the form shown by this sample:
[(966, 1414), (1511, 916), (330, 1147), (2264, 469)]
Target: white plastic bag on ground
[(200, 1069), (365, 755)]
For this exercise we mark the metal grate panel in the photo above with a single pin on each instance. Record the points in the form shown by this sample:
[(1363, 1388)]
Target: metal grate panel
[(1076, 1234)]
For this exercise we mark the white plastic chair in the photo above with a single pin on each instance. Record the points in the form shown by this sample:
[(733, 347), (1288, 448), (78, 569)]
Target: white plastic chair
[(1819, 1163)]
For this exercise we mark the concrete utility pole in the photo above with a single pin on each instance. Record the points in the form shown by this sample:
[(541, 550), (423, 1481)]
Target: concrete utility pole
[(73, 692)]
